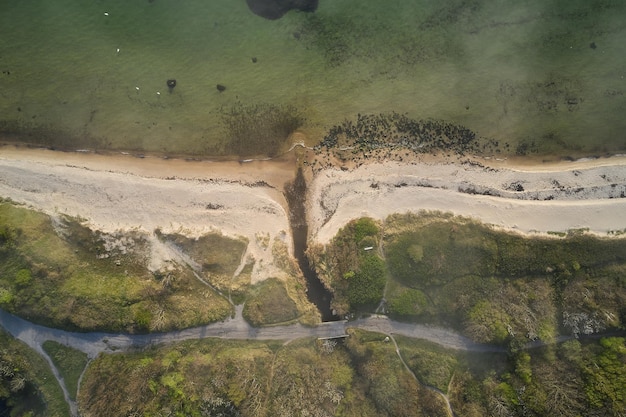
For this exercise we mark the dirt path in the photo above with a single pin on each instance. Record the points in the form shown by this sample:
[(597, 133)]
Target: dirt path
[(95, 343), (236, 328)]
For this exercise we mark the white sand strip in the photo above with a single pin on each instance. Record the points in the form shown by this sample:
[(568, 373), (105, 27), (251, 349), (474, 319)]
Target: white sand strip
[(590, 197)]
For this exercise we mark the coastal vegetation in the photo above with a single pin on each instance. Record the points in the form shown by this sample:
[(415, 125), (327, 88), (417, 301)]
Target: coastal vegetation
[(494, 286), (69, 362), (27, 386), (268, 302), (355, 275), (58, 272), (523, 293), (565, 379), (361, 375)]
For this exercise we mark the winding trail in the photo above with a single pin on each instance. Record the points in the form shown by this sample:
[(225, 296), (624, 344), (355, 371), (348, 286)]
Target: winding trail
[(94, 343), (429, 387)]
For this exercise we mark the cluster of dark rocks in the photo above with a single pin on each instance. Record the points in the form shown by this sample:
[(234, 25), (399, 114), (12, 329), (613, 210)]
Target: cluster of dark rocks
[(171, 83), (398, 131)]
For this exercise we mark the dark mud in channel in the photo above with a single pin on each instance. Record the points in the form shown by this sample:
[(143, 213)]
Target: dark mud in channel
[(295, 193)]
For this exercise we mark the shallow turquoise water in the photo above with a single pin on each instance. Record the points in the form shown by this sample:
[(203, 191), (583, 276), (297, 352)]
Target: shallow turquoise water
[(518, 72)]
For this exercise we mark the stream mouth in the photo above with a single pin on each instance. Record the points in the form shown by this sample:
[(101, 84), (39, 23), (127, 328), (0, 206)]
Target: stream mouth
[(295, 193)]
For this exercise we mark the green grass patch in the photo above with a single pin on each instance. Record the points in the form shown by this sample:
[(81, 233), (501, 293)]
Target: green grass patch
[(439, 252), (356, 276), (27, 386), (217, 255), (500, 287), (407, 302), (269, 303), (60, 273), (70, 363)]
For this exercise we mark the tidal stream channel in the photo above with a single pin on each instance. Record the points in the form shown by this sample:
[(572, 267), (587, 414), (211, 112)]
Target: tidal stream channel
[(295, 193)]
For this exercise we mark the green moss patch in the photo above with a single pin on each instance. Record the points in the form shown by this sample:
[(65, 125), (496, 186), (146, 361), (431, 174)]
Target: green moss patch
[(269, 303)]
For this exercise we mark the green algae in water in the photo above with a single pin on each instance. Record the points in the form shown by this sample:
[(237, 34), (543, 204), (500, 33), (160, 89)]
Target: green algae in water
[(548, 76)]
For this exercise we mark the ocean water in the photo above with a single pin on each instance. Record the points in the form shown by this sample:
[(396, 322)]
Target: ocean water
[(544, 76)]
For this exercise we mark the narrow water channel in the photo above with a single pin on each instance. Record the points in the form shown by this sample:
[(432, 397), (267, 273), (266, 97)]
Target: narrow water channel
[(295, 193)]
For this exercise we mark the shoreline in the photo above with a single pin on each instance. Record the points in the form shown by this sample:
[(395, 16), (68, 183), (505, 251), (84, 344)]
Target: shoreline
[(586, 195), (548, 163), (556, 197), (155, 166)]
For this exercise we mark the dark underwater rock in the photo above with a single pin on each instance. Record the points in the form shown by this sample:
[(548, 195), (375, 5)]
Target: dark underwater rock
[(275, 9)]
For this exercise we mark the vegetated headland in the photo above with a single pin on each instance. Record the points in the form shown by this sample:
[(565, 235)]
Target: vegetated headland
[(363, 263), (426, 205)]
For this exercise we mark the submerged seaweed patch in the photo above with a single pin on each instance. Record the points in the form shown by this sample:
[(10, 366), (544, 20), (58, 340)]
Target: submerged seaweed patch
[(259, 129), (393, 131)]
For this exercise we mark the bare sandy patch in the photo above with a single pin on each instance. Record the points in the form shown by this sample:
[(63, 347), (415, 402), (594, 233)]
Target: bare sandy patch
[(554, 198), (124, 193)]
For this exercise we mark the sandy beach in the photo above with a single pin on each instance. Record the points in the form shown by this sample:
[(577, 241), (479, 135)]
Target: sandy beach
[(122, 192), (552, 198)]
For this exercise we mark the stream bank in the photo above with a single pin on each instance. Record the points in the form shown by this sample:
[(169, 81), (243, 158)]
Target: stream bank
[(295, 194)]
